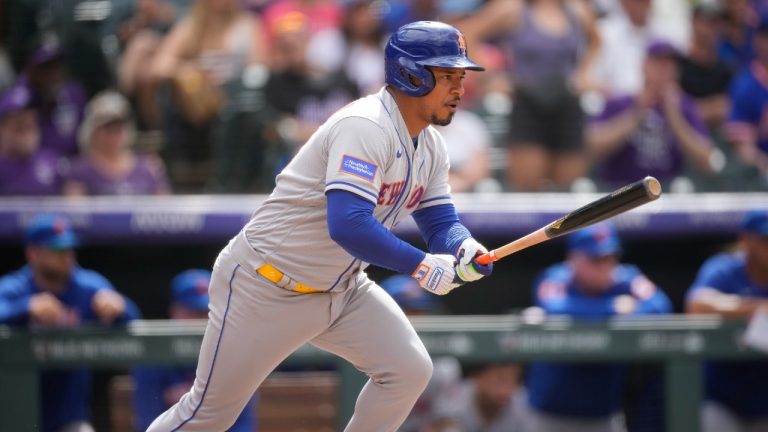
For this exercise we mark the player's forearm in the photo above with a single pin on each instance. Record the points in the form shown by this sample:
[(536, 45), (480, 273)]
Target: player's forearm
[(441, 228), (727, 306)]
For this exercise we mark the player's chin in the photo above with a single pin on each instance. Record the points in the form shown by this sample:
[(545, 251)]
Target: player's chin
[(442, 120)]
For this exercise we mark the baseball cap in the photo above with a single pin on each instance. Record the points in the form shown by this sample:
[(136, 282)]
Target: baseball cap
[(756, 222), (595, 241), (661, 48), (190, 289), (15, 99), (52, 231), (407, 293), (105, 107)]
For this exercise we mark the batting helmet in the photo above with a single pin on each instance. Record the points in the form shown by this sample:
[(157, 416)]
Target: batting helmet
[(417, 45)]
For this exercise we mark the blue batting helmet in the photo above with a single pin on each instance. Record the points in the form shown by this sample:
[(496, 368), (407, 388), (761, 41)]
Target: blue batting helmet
[(417, 45)]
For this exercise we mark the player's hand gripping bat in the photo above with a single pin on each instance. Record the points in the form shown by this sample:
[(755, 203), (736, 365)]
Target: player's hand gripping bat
[(622, 200)]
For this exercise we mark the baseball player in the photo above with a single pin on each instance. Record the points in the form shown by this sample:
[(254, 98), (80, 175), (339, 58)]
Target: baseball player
[(296, 271), (591, 284), (735, 285), (53, 291)]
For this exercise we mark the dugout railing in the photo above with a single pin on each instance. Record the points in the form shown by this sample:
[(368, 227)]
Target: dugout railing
[(680, 343)]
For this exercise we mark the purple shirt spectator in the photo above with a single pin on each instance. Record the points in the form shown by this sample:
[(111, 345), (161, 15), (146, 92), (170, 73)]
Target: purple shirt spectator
[(38, 175), (651, 149), (146, 178), (58, 127)]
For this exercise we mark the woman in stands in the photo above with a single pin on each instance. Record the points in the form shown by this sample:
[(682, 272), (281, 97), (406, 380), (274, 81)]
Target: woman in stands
[(551, 45), (108, 164)]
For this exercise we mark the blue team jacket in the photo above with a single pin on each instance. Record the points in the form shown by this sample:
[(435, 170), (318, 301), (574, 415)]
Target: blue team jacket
[(740, 386), (65, 394), (586, 390)]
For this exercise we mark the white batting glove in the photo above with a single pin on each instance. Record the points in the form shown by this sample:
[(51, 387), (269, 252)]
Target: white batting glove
[(437, 274), (467, 269)]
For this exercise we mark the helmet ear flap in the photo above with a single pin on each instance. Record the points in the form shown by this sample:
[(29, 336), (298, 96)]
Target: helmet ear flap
[(417, 78)]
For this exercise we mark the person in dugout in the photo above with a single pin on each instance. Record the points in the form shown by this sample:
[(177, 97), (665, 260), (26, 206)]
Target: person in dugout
[(53, 291), (591, 284), (734, 285)]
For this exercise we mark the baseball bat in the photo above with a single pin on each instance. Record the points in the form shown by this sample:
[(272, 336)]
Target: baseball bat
[(617, 202)]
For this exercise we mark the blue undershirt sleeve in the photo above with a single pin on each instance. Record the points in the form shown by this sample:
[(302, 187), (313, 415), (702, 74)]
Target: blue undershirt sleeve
[(351, 224), (441, 228)]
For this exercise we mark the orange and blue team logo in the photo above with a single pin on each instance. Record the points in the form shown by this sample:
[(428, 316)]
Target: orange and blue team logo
[(358, 167), (462, 44)]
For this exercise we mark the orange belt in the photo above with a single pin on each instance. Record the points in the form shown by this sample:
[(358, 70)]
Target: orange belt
[(272, 274)]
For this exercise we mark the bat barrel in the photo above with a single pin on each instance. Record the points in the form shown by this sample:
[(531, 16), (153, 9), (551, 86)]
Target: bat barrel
[(619, 201)]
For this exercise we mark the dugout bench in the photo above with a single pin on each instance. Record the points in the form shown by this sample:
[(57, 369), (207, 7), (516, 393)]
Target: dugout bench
[(680, 343)]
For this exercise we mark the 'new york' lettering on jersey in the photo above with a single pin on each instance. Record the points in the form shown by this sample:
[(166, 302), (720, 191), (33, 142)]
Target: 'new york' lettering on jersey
[(364, 148)]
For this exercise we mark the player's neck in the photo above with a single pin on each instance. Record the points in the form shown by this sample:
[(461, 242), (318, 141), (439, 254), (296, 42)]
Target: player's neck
[(410, 110)]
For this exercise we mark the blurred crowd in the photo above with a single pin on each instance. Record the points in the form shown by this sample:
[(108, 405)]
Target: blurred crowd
[(215, 96)]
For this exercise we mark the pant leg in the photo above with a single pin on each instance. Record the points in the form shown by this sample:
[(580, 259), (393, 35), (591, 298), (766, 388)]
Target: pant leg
[(373, 333), (252, 326), (537, 421), (717, 418)]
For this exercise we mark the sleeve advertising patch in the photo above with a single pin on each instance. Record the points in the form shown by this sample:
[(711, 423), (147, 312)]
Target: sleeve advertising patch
[(358, 168)]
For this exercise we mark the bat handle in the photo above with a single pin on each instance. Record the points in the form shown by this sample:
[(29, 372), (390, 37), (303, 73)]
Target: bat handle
[(487, 258)]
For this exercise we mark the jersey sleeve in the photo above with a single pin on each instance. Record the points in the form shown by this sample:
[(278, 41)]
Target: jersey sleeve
[(650, 298), (14, 300), (438, 191), (712, 275), (358, 152)]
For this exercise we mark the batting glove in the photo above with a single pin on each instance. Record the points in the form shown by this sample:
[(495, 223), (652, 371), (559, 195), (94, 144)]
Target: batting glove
[(467, 269), (437, 274)]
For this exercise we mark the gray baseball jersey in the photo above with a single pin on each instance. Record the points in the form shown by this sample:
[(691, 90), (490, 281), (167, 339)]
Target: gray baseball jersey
[(254, 324), (365, 149)]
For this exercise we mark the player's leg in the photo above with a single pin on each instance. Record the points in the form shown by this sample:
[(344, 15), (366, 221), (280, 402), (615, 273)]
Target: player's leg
[(373, 333), (717, 418), (252, 326)]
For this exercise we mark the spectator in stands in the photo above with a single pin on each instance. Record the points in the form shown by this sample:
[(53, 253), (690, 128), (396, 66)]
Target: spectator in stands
[(468, 141), (159, 387), (108, 164), (320, 15), (52, 290), (25, 168), (59, 101), (140, 35), (305, 95), (735, 46), (624, 37), (703, 76), (491, 399), (747, 122), (655, 132), (734, 285), (355, 47), (215, 43), (552, 44), (591, 284)]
